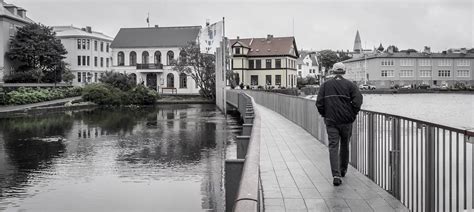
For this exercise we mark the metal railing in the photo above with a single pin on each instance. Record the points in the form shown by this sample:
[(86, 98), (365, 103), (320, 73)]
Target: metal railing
[(242, 175), (149, 66), (427, 166)]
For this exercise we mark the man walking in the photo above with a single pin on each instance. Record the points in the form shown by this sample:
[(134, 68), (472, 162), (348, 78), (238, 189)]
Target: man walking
[(338, 102)]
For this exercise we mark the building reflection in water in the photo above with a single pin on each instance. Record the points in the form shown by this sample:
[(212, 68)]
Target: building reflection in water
[(173, 144)]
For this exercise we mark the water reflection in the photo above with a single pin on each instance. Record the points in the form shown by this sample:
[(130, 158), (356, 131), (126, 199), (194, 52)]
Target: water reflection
[(115, 159)]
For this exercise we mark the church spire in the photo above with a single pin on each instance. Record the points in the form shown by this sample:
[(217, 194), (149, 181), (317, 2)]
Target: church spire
[(357, 43)]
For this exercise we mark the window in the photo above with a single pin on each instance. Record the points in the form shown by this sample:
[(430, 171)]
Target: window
[(424, 62), (258, 64), (107, 62), (463, 62), (170, 80), (101, 62), (120, 59), (170, 57), (463, 73), (78, 60), (183, 80), (277, 79), (237, 50), (95, 77), (387, 73), (251, 64), (95, 45), (268, 63), (299, 66), (83, 43), (107, 47), (253, 79), (268, 79), (406, 73), (84, 79), (95, 61), (444, 62), (387, 62), (88, 60), (407, 62), (182, 56), (133, 58), (444, 73), (145, 57), (277, 63), (78, 43), (101, 46), (88, 43), (78, 76), (425, 73), (157, 57), (83, 60), (299, 73)]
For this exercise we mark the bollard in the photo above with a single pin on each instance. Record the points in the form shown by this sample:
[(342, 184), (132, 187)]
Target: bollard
[(247, 129), (233, 173), (242, 145), (248, 119)]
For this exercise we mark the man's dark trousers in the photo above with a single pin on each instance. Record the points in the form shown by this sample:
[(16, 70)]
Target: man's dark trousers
[(339, 135)]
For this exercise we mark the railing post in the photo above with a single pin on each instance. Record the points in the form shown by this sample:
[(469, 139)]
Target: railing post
[(371, 146), (233, 174), (242, 146), (395, 158), (430, 161)]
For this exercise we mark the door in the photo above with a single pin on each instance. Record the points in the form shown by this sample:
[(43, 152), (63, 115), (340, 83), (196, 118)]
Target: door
[(151, 80)]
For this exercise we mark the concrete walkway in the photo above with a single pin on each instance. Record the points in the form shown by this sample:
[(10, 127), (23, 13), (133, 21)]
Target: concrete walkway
[(296, 174), (15, 108)]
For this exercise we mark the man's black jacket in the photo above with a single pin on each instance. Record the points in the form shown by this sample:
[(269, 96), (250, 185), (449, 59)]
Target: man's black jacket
[(339, 101)]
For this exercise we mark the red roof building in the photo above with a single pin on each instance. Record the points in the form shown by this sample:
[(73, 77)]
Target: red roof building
[(266, 62)]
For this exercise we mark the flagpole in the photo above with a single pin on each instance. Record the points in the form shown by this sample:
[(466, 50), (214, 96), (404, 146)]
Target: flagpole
[(224, 69), (148, 19)]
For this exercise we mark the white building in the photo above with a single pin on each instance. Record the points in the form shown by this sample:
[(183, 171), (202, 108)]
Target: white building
[(89, 54), (147, 53), (308, 64), (211, 36), (11, 17)]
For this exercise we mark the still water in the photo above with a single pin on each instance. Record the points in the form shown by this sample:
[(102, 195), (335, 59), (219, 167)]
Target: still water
[(168, 158)]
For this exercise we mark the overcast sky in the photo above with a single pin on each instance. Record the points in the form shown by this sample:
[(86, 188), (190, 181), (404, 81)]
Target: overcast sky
[(318, 24)]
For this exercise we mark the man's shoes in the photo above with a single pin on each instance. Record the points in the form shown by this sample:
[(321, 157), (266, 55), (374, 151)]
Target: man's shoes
[(343, 173), (337, 181)]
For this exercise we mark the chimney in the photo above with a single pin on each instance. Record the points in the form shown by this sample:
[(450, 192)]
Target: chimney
[(156, 25), (207, 22), (22, 12), (427, 50), (463, 51), (88, 29), (238, 38)]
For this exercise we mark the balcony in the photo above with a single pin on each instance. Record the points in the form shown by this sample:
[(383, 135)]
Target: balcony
[(149, 66)]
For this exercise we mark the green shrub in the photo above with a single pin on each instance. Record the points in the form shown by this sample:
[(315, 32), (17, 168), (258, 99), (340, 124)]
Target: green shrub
[(141, 95), (104, 94), (121, 81)]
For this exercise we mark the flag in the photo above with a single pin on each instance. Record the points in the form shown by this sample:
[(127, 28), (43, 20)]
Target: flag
[(148, 20)]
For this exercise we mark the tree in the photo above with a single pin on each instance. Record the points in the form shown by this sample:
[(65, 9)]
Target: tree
[(327, 59), (201, 68), (409, 51), (36, 47), (395, 49), (380, 47), (121, 81), (68, 76)]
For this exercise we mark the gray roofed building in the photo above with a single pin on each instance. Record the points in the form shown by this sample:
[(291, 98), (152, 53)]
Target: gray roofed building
[(156, 37)]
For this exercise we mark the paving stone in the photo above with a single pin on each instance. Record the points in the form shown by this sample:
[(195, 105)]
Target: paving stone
[(316, 204), (290, 193), (311, 193), (295, 204), (275, 202)]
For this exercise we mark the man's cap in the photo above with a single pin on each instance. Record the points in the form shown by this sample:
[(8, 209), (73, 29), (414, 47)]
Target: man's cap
[(339, 68)]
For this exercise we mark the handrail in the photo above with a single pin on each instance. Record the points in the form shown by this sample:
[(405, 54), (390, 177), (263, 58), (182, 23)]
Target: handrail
[(248, 194)]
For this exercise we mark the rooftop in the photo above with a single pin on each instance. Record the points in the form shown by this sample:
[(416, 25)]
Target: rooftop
[(156, 37), (269, 46), (72, 31), (7, 10)]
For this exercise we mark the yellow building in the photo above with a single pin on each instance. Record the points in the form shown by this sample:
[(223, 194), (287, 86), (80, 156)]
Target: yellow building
[(266, 62)]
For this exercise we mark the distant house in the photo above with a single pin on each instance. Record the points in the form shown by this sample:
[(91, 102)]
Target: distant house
[(308, 64), (89, 54), (269, 61), (11, 18), (386, 69), (147, 55), (211, 36)]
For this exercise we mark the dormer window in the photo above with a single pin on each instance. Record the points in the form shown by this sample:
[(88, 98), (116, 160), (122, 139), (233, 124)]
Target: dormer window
[(237, 50)]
